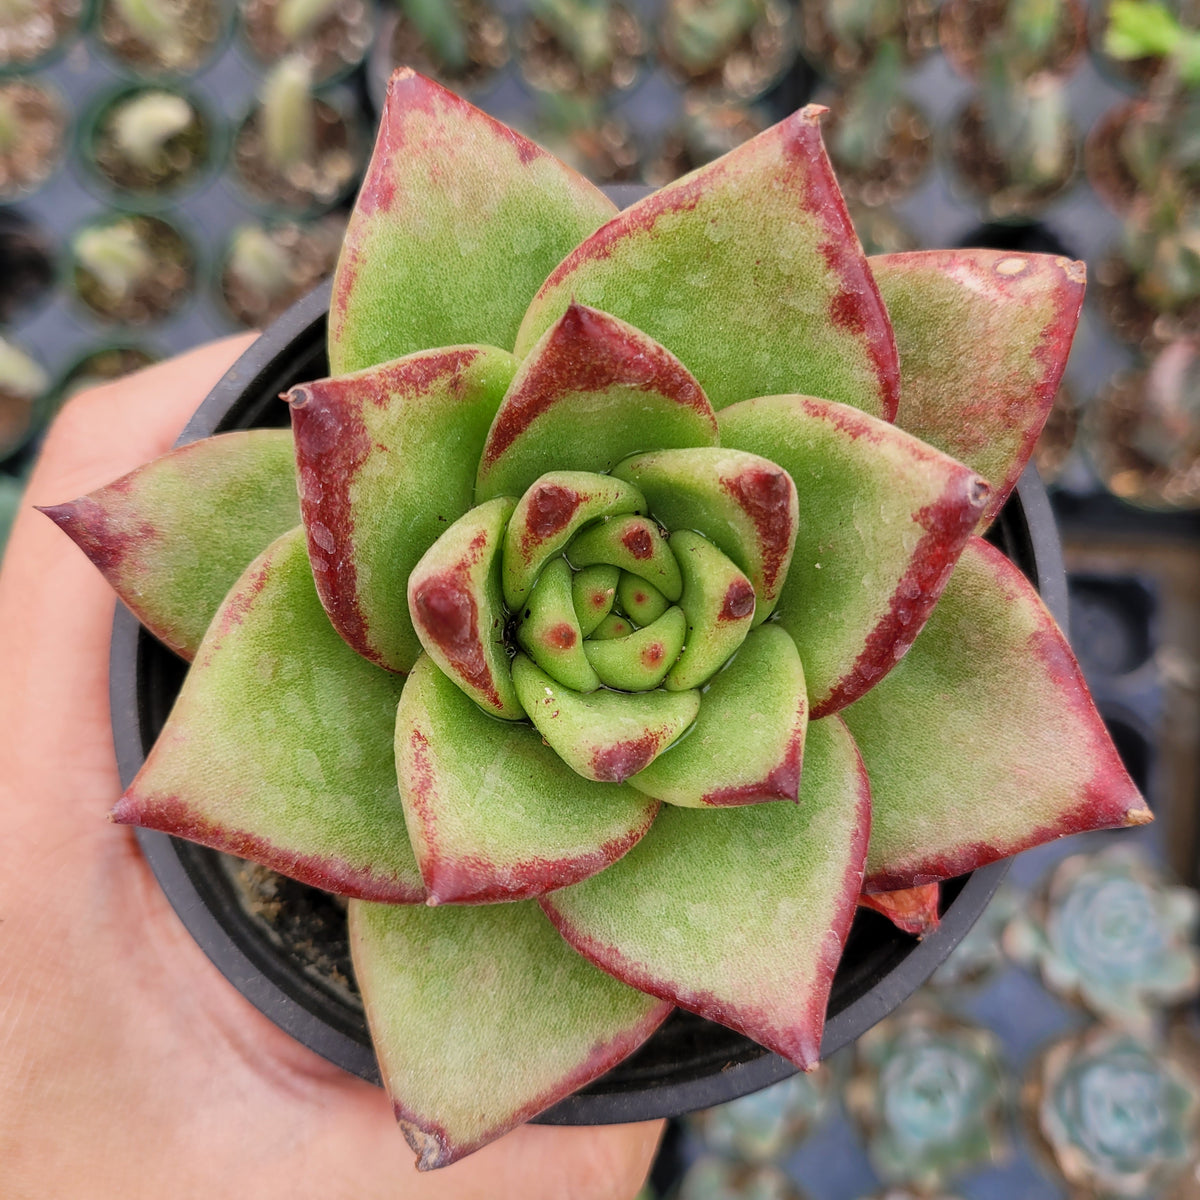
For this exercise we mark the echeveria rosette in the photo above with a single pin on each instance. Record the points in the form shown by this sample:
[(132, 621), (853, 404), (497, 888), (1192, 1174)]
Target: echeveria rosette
[(615, 542)]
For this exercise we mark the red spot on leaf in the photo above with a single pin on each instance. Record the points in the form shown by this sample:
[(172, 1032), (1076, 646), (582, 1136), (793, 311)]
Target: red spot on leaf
[(551, 507), (615, 763), (638, 542), (739, 601), (652, 655), (560, 636), (766, 495), (600, 598), (946, 525)]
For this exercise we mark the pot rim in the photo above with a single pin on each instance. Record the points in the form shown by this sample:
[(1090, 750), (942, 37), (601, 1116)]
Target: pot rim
[(263, 369)]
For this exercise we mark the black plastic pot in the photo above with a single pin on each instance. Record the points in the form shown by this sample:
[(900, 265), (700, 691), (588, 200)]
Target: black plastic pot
[(689, 1063)]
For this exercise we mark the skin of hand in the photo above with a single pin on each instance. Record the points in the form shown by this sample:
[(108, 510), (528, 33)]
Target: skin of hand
[(131, 1067)]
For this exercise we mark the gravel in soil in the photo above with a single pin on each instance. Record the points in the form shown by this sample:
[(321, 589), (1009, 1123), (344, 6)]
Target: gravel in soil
[(970, 29), (487, 47), (912, 23), (39, 125), (549, 65), (1115, 291), (24, 38), (196, 32), (333, 46)]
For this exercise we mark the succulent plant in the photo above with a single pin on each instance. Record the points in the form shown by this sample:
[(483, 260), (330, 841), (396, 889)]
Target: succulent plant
[(767, 1125), (1113, 933), (716, 1179), (1120, 1117), (569, 726), (980, 955), (931, 1097)]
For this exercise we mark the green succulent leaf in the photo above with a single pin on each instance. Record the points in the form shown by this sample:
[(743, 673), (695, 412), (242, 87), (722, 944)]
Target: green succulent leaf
[(983, 337), (749, 270), (741, 502), (639, 600), (493, 814), (471, 1043), (605, 736), (641, 660), (279, 747), (882, 519), (550, 632), (593, 591), (718, 601), (458, 222), (592, 391), (455, 605), (748, 742), (984, 740), (634, 544), (612, 626), (173, 536), (548, 516), (386, 462), (738, 914)]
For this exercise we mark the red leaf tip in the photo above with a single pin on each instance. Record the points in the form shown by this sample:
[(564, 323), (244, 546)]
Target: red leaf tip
[(61, 514), (298, 396)]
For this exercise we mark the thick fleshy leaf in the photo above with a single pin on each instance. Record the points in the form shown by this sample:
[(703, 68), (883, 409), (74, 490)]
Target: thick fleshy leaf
[(749, 270), (549, 631), (742, 503), (456, 608), (748, 742), (173, 536), (593, 591), (606, 736), (718, 601), (471, 1042), (612, 626), (458, 222), (983, 337), (279, 747), (641, 602), (591, 392), (912, 910), (641, 660), (882, 520), (386, 461), (738, 914), (634, 544), (493, 814), (984, 740), (548, 516)]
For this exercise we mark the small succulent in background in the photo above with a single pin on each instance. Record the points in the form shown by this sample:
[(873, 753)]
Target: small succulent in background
[(163, 37), (719, 1179), (591, 531), (1014, 145), (1033, 36), (842, 36), (766, 1126), (150, 141), (267, 267), (979, 957), (740, 46), (1141, 29), (1119, 1117), (461, 43), (1110, 932), (296, 151), (584, 134), (930, 1096), (31, 30), (23, 382), (331, 35), (709, 127), (878, 140), (581, 46), (32, 131), (132, 269)]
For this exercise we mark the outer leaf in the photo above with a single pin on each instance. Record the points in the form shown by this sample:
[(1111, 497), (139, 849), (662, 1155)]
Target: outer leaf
[(605, 736), (173, 536), (386, 460), (748, 742), (458, 222), (913, 910), (472, 1042), (983, 337), (455, 605), (493, 814), (749, 270), (279, 747), (984, 740), (742, 503), (548, 516), (740, 914), (592, 391), (882, 519)]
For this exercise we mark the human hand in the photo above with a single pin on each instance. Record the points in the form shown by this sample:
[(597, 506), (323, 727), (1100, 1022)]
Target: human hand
[(132, 1068)]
